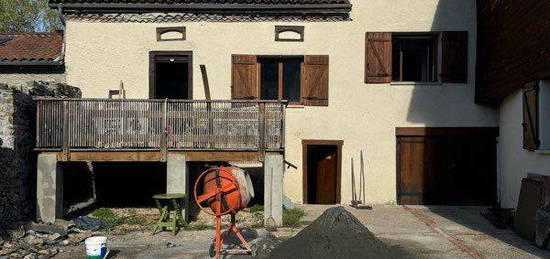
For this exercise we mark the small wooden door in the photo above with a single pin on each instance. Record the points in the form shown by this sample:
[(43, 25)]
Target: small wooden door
[(322, 171), (325, 171)]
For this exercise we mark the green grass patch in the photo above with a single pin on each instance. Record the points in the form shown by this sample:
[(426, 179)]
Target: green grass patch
[(107, 215), (134, 219), (292, 217), (257, 208), (113, 219)]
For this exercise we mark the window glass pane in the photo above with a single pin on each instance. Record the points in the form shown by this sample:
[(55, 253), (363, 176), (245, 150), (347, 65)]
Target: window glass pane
[(270, 80), (413, 58), (291, 77)]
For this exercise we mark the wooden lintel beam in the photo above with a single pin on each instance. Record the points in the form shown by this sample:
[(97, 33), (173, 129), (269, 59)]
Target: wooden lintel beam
[(221, 156), (113, 156), (155, 156)]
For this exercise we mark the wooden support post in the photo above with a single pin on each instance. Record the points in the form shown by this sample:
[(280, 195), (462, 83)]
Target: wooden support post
[(261, 131), (164, 136), (66, 133), (205, 82)]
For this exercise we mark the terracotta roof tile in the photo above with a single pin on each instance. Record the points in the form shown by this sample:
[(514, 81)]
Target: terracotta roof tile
[(30, 46)]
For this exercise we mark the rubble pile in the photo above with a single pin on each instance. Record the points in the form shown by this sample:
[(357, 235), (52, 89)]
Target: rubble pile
[(38, 241)]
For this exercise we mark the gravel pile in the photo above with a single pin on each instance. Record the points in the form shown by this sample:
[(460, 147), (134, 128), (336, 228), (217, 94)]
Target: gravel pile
[(335, 234)]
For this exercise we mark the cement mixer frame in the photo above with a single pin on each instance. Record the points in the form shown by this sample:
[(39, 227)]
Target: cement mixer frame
[(226, 184)]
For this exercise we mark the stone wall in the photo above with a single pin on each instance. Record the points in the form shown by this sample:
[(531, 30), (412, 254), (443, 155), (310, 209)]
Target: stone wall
[(17, 137)]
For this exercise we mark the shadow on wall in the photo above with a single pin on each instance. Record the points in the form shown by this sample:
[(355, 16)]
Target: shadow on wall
[(454, 160), (449, 104)]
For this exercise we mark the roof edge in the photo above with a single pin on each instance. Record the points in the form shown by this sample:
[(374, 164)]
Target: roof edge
[(207, 8), (31, 63)]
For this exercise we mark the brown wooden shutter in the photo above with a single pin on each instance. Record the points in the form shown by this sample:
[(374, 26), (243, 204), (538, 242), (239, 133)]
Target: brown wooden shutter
[(378, 57), (315, 80), (531, 139), (244, 77), (454, 67)]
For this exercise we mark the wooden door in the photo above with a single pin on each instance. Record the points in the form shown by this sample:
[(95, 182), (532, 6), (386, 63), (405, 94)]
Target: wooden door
[(322, 167), (325, 171), (446, 169)]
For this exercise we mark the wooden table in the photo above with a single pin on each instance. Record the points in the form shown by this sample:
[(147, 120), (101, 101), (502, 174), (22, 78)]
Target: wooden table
[(169, 206)]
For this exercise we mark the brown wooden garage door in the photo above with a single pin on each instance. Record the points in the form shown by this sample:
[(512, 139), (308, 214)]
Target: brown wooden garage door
[(446, 166)]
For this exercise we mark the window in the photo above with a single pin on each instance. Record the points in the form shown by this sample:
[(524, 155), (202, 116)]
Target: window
[(280, 79), (297, 79), (544, 114), (414, 58)]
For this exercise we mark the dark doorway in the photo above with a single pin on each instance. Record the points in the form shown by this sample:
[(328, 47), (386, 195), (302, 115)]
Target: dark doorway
[(171, 75), (129, 184), (446, 166), (322, 166)]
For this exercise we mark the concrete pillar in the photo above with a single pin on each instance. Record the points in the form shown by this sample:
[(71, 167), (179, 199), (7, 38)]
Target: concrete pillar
[(49, 188), (273, 188), (177, 177)]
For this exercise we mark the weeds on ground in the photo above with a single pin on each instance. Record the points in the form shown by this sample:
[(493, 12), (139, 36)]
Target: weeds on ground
[(257, 208), (292, 217), (108, 216), (113, 219)]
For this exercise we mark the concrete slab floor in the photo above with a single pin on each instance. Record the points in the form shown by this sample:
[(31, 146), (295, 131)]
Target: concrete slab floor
[(428, 232)]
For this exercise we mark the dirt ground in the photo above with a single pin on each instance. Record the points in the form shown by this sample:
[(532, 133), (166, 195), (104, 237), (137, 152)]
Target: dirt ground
[(428, 232)]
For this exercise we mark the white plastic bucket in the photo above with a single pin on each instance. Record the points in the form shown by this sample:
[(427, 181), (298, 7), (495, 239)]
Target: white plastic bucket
[(96, 247)]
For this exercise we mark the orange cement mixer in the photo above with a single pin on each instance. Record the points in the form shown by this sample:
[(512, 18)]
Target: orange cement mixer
[(225, 190)]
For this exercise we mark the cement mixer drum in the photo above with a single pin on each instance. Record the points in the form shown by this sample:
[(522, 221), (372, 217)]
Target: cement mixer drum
[(224, 189)]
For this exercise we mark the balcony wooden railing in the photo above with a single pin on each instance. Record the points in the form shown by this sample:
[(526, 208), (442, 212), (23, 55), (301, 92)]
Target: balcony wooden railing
[(120, 125)]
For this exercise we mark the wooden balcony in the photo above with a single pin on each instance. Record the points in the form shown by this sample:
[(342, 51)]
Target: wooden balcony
[(114, 125)]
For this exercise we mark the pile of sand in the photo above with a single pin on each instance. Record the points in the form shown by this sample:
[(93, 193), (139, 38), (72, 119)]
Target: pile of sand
[(335, 234)]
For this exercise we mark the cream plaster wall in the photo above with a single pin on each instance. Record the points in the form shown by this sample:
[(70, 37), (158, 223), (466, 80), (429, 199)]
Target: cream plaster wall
[(99, 55), (514, 161)]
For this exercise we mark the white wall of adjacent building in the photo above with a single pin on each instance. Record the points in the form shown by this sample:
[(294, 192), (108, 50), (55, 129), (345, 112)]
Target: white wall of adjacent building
[(514, 161)]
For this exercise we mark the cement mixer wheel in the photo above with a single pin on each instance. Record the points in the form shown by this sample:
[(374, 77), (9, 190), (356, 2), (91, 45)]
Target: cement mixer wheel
[(218, 194)]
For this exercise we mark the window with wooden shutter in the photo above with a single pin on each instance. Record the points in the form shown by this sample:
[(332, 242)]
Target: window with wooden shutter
[(531, 140), (244, 77), (378, 57), (315, 76), (454, 67)]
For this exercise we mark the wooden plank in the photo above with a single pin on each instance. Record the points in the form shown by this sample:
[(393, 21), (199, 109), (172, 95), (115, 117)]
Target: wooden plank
[(435, 131), (205, 82), (512, 46), (66, 133), (222, 156), (111, 156), (322, 142)]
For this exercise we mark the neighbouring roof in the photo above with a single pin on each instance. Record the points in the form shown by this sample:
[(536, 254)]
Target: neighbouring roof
[(217, 7), (31, 48)]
